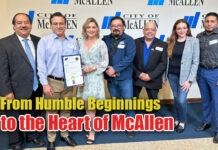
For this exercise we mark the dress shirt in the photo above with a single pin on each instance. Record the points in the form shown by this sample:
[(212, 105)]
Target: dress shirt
[(50, 50), (208, 49), (147, 51), (30, 42)]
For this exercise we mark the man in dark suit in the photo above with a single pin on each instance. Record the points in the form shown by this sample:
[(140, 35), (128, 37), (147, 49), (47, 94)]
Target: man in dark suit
[(149, 63), (18, 75)]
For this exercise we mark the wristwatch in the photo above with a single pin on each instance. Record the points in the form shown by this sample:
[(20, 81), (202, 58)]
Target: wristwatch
[(190, 82)]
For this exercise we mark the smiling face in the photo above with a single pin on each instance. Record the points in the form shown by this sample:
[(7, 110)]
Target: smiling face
[(149, 31), (58, 26), (117, 28), (210, 24), (22, 26), (92, 30), (181, 30)]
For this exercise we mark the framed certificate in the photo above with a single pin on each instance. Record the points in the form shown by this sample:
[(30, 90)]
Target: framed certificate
[(72, 70)]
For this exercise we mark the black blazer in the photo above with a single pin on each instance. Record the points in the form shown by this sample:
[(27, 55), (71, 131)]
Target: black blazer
[(155, 66), (16, 73)]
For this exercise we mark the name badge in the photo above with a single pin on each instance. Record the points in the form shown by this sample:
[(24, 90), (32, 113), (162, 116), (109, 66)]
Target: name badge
[(121, 45), (159, 48), (213, 42), (70, 46)]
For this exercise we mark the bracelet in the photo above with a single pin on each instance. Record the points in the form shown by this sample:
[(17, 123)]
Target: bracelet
[(95, 67)]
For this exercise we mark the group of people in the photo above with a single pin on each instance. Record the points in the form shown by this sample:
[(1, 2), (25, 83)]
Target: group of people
[(30, 67)]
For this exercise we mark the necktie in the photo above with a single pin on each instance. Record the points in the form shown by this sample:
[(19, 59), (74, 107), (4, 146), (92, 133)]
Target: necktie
[(32, 62)]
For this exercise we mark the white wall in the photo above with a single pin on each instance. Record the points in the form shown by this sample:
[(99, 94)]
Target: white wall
[(134, 11)]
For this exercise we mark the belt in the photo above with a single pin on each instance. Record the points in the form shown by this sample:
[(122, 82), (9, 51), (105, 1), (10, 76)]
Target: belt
[(56, 78), (208, 67)]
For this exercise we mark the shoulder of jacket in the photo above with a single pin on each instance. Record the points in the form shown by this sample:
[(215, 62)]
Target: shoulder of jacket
[(34, 36), (192, 38), (160, 42), (138, 39)]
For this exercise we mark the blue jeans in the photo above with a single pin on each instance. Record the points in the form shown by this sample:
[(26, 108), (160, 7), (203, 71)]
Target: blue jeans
[(180, 106), (207, 82), (122, 89)]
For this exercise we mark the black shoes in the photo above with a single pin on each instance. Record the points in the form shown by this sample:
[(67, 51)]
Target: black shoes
[(175, 126), (18, 147), (131, 134), (215, 138), (179, 128), (51, 146), (203, 127), (37, 142), (90, 141), (69, 141)]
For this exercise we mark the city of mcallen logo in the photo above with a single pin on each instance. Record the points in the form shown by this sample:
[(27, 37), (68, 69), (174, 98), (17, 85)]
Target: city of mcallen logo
[(44, 23), (31, 14), (193, 20), (186, 2), (132, 21), (162, 37), (107, 20), (155, 2), (83, 2), (93, 2), (176, 2), (66, 2), (202, 19)]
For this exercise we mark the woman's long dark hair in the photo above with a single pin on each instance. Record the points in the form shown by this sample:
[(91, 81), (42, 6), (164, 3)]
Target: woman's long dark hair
[(173, 38)]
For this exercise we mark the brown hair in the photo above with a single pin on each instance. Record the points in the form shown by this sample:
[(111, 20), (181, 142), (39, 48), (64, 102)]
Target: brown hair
[(85, 25), (174, 36)]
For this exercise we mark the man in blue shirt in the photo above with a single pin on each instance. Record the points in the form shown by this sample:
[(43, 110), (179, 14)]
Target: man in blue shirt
[(121, 50), (50, 50), (149, 63)]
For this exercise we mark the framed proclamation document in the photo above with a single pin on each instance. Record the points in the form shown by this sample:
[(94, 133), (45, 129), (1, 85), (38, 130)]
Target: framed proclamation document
[(72, 70)]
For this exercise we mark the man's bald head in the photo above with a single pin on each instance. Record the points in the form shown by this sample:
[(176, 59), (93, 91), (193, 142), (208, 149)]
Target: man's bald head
[(149, 31), (150, 25)]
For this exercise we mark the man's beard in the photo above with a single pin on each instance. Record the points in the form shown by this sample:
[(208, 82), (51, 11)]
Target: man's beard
[(116, 33), (209, 31)]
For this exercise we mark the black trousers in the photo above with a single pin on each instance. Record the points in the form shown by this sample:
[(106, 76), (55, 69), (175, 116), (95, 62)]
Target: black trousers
[(152, 93), (17, 137)]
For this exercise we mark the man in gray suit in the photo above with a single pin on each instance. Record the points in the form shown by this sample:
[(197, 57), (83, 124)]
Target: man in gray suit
[(18, 75)]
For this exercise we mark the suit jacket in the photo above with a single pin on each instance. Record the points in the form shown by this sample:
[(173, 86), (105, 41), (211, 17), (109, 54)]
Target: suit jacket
[(189, 61), (155, 66), (16, 73)]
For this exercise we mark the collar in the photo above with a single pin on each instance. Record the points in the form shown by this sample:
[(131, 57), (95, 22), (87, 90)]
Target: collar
[(145, 45), (143, 40), (55, 36), (21, 38), (215, 31)]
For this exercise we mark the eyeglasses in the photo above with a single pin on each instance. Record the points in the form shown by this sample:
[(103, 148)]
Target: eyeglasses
[(116, 26)]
